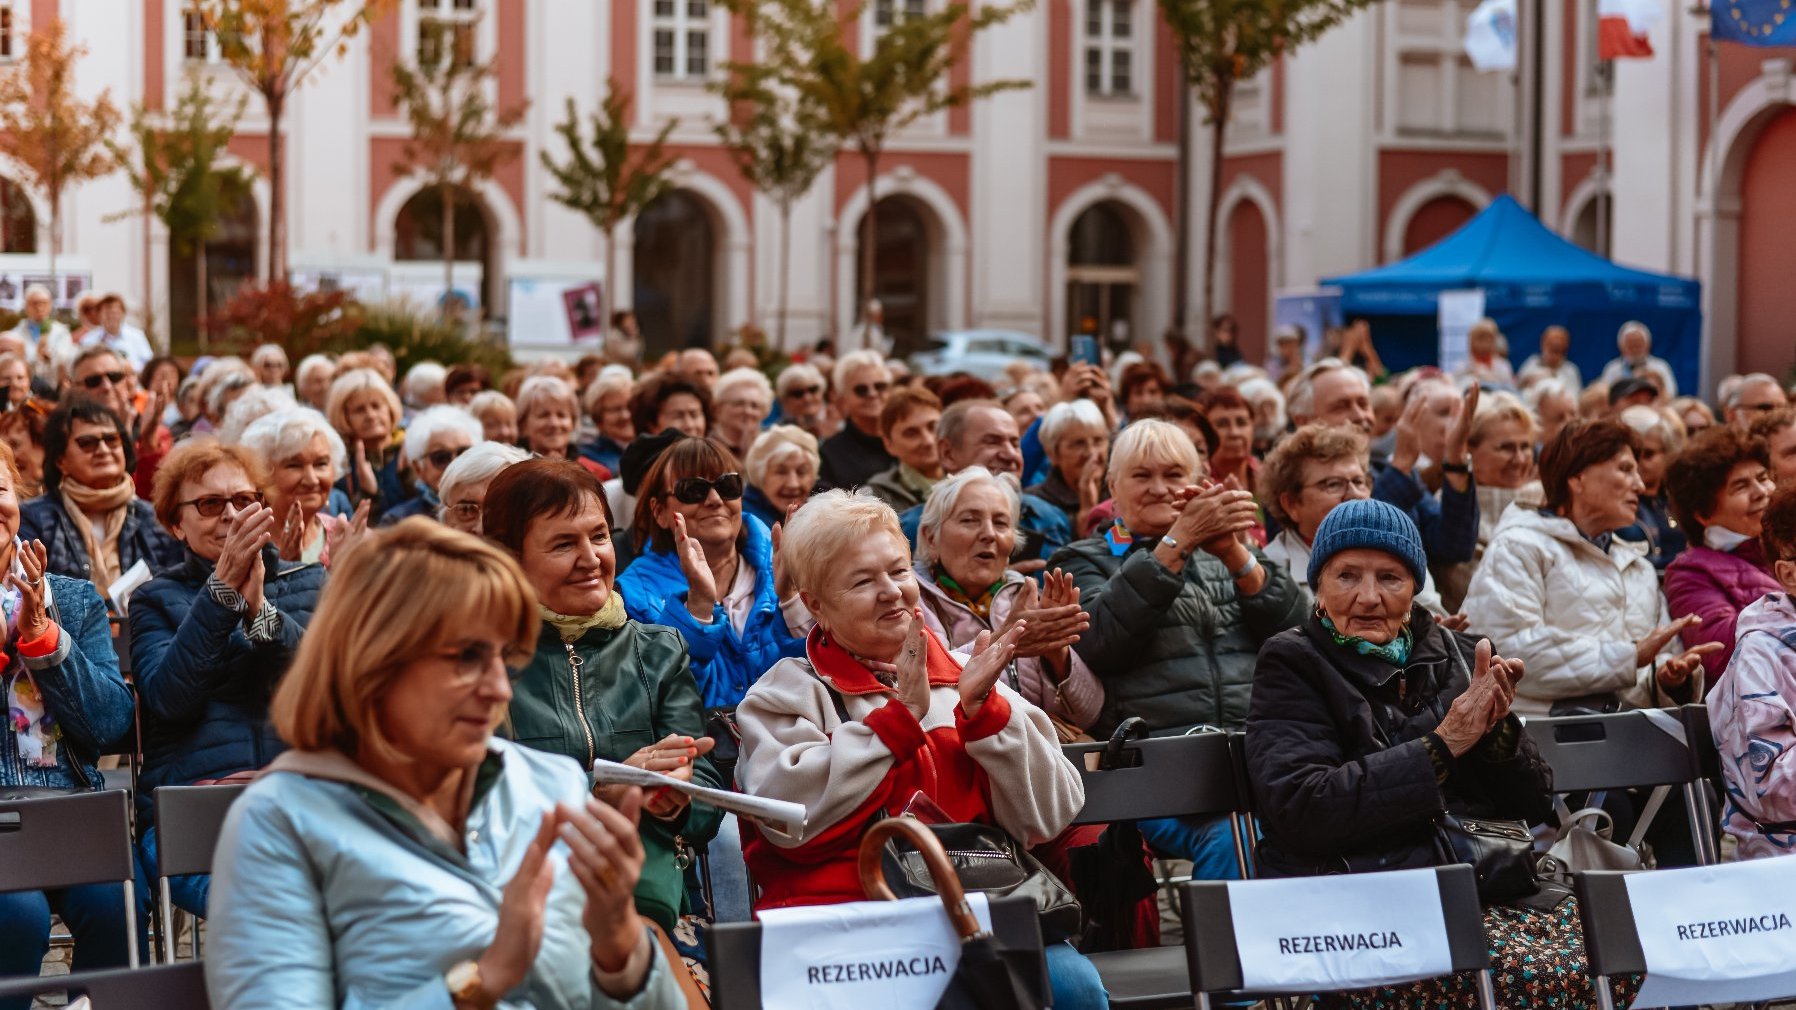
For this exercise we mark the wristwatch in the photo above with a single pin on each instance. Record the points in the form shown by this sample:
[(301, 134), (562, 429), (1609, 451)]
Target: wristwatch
[(465, 987)]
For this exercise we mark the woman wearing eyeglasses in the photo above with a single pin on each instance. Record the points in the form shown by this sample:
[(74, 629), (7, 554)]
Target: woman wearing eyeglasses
[(600, 685), (211, 638), (710, 573), (436, 438), (89, 516)]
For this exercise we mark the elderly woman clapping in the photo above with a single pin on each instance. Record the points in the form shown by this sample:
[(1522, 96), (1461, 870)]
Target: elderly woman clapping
[(1077, 440), (878, 711), (463, 870), (1371, 719), (964, 543), (781, 468), (366, 414), (303, 454), (1557, 590)]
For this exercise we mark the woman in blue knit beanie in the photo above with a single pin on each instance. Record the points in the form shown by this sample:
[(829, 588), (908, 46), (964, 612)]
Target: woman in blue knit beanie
[(1371, 719)]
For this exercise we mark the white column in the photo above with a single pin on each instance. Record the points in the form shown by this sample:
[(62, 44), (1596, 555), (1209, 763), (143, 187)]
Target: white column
[(1008, 210), (1331, 153)]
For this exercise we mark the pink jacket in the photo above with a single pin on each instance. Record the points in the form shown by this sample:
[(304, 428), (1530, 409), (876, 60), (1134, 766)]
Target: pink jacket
[(1080, 697), (1717, 585), (1753, 714)]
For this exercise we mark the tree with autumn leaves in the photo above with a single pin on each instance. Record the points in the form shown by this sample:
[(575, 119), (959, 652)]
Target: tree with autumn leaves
[(56, 138)]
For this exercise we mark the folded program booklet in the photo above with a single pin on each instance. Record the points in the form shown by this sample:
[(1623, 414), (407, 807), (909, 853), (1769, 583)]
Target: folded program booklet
[(783, 816)]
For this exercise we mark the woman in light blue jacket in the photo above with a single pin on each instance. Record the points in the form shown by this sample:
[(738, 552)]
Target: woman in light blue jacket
[(401, 857)]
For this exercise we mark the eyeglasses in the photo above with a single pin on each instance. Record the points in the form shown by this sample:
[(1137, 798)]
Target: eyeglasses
[(693, 490), (88, 443), (1334, 487), (864, 390), (797, 392), (465, 511), (213, 505), (443, 457), (98, 379), (473, 660)]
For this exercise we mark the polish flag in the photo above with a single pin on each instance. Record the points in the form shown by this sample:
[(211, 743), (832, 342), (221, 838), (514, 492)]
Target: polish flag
[(1622, 27)]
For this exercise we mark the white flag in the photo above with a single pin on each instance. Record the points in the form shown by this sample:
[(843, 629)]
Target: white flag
[(1490, 35)]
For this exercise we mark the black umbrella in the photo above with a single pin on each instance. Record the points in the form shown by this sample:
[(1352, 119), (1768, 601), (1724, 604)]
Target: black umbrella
[(990, 976)]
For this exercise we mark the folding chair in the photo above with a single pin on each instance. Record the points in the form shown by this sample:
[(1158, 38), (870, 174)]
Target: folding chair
[(1630, 750), (1214, 958), (159, 987), (1176, 776), (736, 955), (67, 841), (188, 820)]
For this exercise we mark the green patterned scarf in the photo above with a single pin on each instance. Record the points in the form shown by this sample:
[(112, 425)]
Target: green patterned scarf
[(1394, 652)]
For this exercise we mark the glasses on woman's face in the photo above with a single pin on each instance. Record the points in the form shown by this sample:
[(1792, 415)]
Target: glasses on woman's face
[(868, 389), (694, 490), (88, 443), (441, 458), (213, 505), (98, 379), (1335, 487), (470, 663), (465, 512)]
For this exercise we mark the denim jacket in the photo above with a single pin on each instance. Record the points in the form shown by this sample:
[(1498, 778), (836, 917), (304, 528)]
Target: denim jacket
[(83, 691)]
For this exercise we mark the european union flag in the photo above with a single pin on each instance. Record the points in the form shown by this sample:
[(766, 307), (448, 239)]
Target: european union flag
[(1754, 22)]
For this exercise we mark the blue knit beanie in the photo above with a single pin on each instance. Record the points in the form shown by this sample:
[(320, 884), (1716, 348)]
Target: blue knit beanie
[(1366, 522)]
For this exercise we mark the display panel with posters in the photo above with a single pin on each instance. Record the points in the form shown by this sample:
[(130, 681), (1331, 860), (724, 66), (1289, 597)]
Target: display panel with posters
[(540, 313)]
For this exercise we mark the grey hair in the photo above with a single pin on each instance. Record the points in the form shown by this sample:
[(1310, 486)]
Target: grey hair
[(540, 388), (1063, 417), (607, 383), (1646, 421), (775, 444), (1152, 437), (38, 291), (1545, 388), (1300, 399), (256, 403), (310, 362), (268, 351), (1257, 390), (284, 434), (478, 465), (1732, 399), (485, 400), (946, 495), (1632, 325), (427, 423), (826, 525), (853, 362), (227, 384), (795, 375), (752, 378), (420, 378)]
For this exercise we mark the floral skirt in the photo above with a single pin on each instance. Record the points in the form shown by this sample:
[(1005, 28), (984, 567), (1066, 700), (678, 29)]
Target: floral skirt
[(1536, 960)]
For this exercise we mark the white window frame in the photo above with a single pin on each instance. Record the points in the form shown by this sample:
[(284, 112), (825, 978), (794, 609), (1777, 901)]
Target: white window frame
[(1446, 50), (873, 26), (12, 30), (683, 24), (211, 54), (455, 18), (1107, 44)]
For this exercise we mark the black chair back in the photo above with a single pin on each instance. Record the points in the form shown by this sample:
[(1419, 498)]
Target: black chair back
[(52, 842), (736, 955), (1214, 958), (1169, 776), (1611, 943), (159, 987), (188, 820)]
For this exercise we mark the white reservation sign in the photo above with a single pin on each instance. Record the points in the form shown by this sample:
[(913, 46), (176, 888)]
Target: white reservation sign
[(1715, 934), (895, 955), (1339, 932)]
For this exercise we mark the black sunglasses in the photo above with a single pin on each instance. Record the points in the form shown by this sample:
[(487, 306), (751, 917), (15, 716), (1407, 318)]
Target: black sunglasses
[(443, 457), (95, 380), (693, 490), (88, 443), (864, 390), (797, 391), (212, 506)]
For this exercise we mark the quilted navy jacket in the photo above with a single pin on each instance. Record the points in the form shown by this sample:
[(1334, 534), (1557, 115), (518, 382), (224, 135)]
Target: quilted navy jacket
[(205, 686), (142, 538)]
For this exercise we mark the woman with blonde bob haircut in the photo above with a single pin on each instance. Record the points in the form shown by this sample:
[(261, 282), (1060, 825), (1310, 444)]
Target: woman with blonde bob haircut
[(366, 412), (397, 784)]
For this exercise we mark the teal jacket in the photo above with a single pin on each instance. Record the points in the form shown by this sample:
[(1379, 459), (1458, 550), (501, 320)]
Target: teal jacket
[(630, 688)]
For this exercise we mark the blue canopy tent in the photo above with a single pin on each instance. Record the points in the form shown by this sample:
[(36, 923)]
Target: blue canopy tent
[(1532, 278)]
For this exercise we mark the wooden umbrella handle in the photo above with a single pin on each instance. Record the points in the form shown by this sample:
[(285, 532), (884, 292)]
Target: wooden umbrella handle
[(947, 882)]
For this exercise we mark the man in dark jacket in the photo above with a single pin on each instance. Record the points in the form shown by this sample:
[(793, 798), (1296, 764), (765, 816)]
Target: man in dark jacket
[(853, 455)]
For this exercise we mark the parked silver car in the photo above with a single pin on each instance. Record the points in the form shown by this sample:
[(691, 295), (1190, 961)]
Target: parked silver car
[(983, 353)]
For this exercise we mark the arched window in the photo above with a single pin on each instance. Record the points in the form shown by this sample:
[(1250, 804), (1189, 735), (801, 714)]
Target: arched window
[(901, 270), (1102, 277), (675, 268)]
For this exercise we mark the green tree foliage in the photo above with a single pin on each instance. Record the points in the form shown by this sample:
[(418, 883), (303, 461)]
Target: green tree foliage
[(1224, 42), (606, 178), (780, 145), (55, 137), (274, 45), (459, 137), (808, 49), (173, 165)]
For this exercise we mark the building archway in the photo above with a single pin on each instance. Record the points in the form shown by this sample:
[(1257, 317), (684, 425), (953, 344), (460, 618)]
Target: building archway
[(946, 278), (230, 264), (418, 235), (1150, 244), (1463, 200), (1248, 263), (1103, 276), (674, 273), (1766, 299), (1435, 220), (902, 273)]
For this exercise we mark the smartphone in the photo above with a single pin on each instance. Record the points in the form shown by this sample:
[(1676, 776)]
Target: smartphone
[(1085, 350)]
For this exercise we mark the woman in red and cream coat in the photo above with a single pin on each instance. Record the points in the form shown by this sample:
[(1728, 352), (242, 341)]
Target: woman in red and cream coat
[(877, 711)]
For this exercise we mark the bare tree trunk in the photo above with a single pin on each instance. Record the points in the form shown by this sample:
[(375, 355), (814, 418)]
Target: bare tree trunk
[(1181, 255), (277, 198), (1218, 128), (869, 242), (149, 296), (448, 192), (612, 294), (785, 271), (201, 309), (55, 240)]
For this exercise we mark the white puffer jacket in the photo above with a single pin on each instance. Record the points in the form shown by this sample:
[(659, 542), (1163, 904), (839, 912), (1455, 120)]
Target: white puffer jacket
[(1547, 596)]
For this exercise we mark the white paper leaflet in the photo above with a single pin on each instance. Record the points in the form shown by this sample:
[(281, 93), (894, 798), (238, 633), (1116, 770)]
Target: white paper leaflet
[(894, 955), (781, 815)]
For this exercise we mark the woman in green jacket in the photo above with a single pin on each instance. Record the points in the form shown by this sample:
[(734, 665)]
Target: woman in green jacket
[(600, 685)]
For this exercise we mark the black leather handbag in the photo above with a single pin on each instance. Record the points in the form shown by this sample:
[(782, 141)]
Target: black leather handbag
[(987, 859), (1500, 853)]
